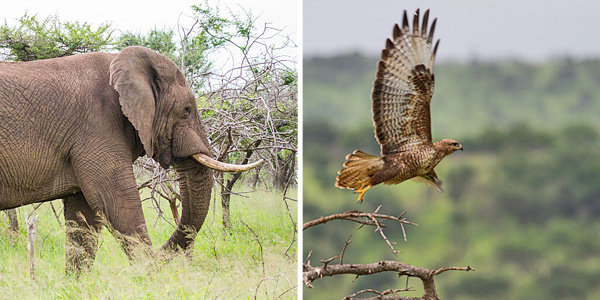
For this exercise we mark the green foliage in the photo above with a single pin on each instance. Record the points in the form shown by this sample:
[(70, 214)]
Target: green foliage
[(33, 39), (518, 137), (290, 77), (218, 30), (156, 39), (189, 53)]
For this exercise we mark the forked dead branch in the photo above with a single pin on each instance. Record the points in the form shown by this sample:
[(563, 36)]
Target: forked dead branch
[(371, 219), (327, 269)]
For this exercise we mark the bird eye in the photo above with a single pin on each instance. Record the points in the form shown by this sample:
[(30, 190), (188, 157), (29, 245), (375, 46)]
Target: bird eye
[(455, 144)]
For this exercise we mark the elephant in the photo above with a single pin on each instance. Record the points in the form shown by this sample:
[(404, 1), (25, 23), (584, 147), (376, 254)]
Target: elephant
[(71, 128)]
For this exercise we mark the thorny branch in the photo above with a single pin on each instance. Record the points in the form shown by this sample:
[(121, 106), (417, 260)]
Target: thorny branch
[(370, 219)]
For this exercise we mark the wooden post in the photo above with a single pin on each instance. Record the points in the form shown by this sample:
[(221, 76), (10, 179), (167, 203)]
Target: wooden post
[(31, 222)]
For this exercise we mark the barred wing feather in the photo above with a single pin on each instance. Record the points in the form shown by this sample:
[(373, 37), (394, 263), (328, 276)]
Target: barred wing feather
[(403, 87)]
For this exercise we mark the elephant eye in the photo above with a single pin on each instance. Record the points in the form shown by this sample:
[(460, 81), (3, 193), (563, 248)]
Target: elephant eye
[(187, 111)]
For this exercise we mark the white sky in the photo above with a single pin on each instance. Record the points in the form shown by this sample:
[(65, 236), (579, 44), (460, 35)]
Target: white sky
[(141, 16), (529, 29), (522, 29)]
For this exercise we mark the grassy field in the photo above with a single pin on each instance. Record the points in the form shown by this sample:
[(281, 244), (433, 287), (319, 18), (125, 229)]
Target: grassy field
[(257, 260)]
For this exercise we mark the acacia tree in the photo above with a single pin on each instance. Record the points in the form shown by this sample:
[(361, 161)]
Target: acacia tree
[(33, 39)]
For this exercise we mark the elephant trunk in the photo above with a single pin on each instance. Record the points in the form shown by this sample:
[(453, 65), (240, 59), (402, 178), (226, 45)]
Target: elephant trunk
[(195, 184)]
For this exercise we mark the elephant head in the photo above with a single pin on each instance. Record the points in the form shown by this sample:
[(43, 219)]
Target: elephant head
[(157, 101)]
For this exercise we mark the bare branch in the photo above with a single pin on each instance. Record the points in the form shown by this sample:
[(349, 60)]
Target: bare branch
[(426, 275), (387, 294), (353, 215), (370, 219)]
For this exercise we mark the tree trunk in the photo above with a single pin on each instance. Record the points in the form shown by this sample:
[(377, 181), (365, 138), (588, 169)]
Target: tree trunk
[(285, 170), (228, 186), (225, 200), (256, 178)]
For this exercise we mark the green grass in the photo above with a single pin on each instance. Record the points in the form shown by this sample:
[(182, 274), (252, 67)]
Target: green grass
[(239, 265)]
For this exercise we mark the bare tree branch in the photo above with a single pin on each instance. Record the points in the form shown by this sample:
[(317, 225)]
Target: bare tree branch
[(353, 215), (311, 273), (370, 219)]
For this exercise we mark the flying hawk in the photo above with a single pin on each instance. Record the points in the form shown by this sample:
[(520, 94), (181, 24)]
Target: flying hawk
[(401, 97)]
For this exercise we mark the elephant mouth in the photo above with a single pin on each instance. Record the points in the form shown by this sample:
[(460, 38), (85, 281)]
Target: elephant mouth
[(223, 167)]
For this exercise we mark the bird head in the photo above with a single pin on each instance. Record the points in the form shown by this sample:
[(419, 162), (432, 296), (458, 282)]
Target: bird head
[(449, 146)]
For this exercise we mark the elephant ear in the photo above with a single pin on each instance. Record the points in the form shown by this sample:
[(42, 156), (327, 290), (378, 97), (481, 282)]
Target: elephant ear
[(133, 76)]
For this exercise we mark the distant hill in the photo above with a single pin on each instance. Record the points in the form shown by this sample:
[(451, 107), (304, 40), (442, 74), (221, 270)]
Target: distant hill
[(467, 96)]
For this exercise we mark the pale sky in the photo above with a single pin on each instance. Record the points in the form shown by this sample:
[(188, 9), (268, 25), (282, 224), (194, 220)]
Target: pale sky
[(522, 29), (528, 29), (141, 16)]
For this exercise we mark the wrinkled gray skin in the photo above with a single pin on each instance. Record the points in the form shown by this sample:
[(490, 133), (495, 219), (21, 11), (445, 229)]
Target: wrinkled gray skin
[(70, 128)]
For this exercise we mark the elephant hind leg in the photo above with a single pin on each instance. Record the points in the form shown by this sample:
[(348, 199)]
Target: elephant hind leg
[(83, 226)]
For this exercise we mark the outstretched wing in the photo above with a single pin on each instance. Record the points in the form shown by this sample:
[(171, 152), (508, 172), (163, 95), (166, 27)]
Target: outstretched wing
[(403, 88)]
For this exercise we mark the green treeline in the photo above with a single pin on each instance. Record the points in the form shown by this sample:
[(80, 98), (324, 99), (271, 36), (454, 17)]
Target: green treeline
[(521, 203)]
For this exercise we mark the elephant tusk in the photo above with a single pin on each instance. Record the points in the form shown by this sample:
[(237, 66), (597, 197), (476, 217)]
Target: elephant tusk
[(224, 167)]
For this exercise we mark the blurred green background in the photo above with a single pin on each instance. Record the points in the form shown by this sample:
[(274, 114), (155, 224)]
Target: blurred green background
[(521, 203)]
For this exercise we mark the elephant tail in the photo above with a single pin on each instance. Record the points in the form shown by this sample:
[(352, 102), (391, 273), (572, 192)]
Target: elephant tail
[(357, 172)]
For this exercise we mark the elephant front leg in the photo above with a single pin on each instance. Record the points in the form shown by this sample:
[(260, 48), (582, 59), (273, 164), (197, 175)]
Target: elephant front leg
[(123, 211), (83, 226)]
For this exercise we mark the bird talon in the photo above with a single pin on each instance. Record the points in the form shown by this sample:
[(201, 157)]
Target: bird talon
[(362, 190)]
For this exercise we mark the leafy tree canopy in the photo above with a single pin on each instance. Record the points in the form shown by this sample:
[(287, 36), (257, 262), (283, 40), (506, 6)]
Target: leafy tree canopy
[(33, 39)]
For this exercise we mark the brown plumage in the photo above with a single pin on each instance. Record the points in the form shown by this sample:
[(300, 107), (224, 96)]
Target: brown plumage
[(401, 115)]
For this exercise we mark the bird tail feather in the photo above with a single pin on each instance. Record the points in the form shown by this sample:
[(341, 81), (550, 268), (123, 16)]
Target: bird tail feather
[(358, 170)]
